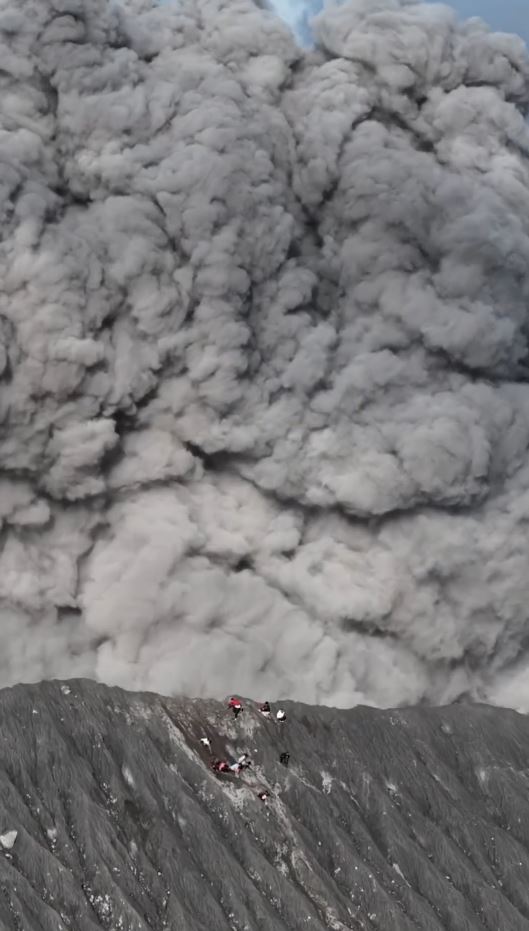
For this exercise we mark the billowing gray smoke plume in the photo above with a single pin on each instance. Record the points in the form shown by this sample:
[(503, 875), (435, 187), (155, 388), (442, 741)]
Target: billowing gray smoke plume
[(265, 374)]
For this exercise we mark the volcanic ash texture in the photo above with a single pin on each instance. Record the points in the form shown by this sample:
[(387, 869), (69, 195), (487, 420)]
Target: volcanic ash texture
[(111, 817), (264, 392)]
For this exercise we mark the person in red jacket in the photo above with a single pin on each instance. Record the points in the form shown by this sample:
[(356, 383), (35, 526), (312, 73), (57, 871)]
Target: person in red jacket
[(220, 766), (235, 706)]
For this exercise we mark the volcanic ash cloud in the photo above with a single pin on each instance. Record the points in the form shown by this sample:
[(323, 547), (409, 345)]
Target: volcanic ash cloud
[(264, 317)]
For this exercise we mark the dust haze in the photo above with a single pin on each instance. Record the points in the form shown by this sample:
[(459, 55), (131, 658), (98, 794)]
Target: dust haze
[(264, 364)]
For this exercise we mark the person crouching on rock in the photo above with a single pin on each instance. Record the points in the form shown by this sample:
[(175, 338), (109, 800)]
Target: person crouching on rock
[(220, 766)]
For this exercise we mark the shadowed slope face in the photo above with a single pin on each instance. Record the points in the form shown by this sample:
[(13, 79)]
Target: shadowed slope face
[(398, 820)]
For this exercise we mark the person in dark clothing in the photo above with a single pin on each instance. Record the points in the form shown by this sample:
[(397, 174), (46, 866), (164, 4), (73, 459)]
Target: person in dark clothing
[(265, 708), (284, 758)]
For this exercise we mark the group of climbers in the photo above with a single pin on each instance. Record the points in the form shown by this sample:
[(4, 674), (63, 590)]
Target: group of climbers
[(222, 766), (264, 708), (266, 712), (236, 706), (244, 761)]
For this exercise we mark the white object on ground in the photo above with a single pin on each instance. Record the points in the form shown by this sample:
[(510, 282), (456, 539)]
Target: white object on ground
[(8, 839)]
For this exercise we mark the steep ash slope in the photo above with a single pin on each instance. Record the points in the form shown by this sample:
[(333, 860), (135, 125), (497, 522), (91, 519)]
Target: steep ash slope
[(415, 819)]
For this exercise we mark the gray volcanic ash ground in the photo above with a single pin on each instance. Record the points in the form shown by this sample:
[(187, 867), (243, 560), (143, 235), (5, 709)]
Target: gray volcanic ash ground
[(408, 820), (264, 394)]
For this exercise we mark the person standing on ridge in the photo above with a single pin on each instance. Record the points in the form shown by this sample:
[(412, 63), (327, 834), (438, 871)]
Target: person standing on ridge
[(235, 706)]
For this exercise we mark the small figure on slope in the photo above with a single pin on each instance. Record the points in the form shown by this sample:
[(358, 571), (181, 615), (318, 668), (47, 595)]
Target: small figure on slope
[(205, 743), (235, 706), (281, 716), (265, 709), (284, 758), (244, 761), (220, 766)]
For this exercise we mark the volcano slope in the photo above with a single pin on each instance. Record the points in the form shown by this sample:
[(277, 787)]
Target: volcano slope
[(406, 819)]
